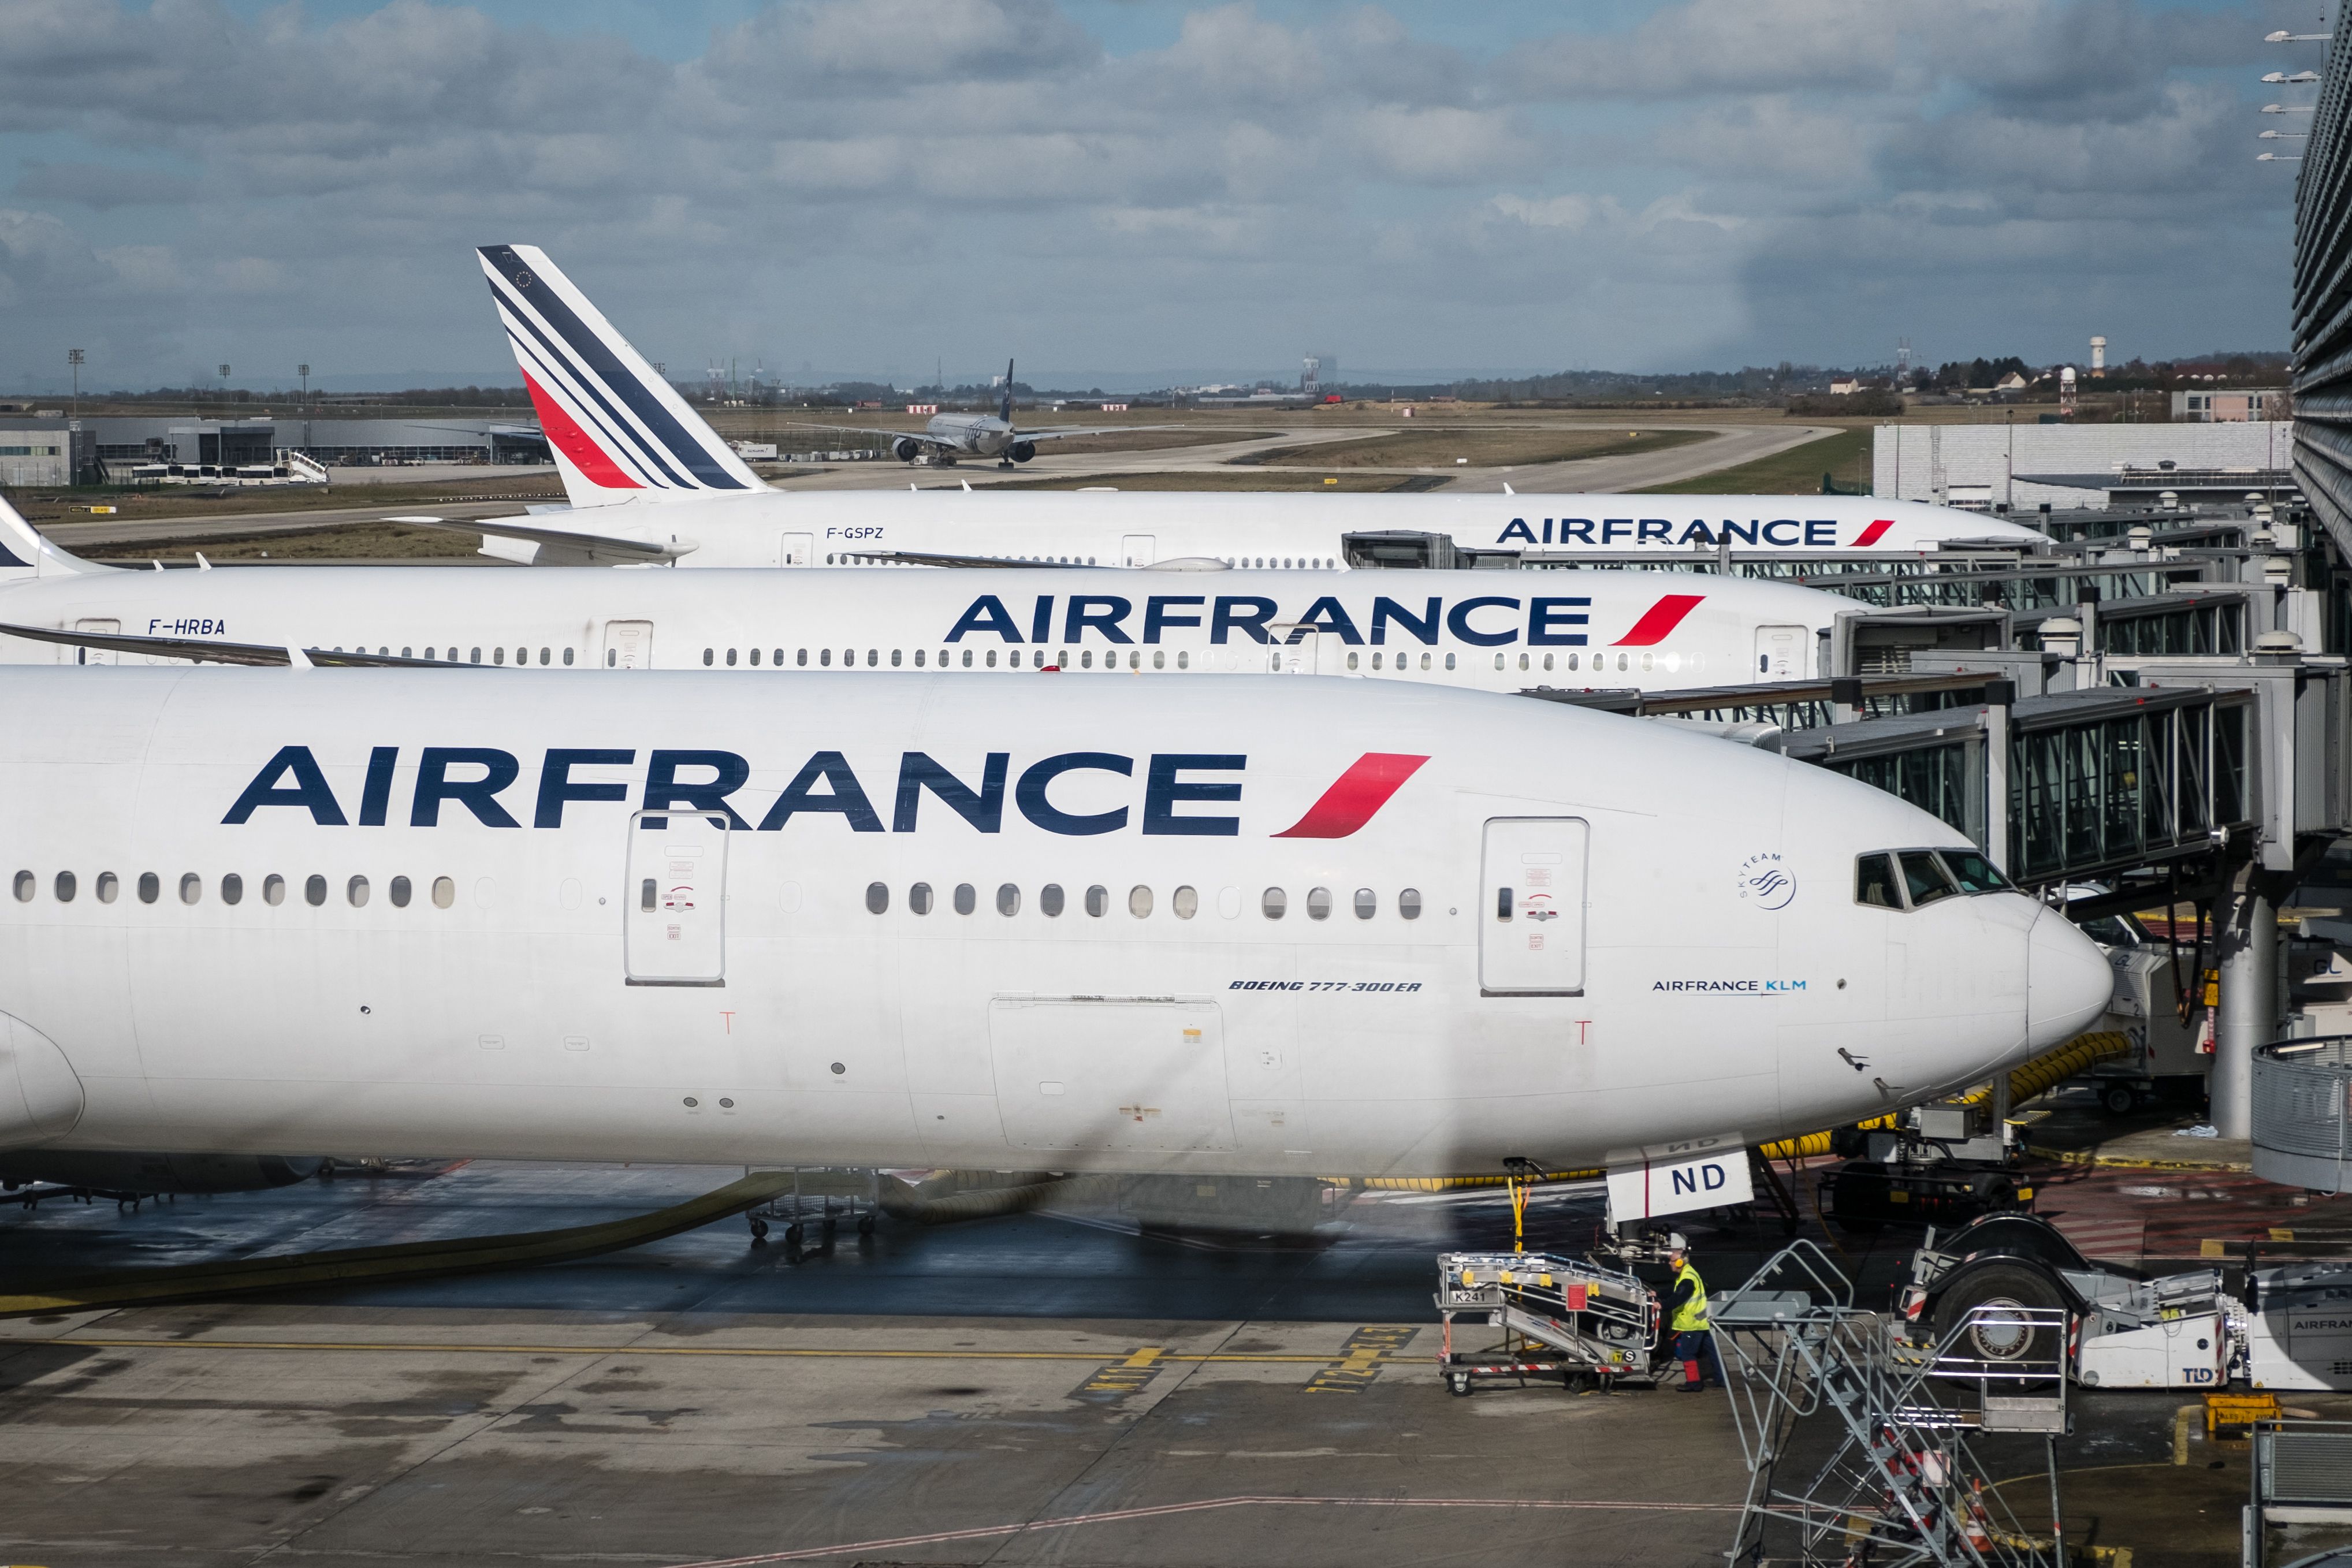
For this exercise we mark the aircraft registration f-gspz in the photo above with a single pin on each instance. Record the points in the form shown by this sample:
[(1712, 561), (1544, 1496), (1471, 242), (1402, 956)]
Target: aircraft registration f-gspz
[(1292, 927), (650, 482)]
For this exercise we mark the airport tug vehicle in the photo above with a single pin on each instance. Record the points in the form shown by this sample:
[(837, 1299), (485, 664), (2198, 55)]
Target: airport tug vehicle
[(2290, 1327)]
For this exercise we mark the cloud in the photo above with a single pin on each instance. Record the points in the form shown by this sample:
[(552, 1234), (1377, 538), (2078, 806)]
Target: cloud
[(859, 183)]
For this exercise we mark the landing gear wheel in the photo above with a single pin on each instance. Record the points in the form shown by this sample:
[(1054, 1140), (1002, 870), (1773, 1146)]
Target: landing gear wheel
[(865, 1225), (1981, 1337), (1458, 1385), (759, 1232), (2118, 1099), (795, 1237)]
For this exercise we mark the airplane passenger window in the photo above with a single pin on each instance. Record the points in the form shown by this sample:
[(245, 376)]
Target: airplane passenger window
[(110, 887), (896, 656), (1973, 871), (1183, 659), (611, 656), (707, 659), (918, 657), (802, 659), (1523, 661), (1319, 903), (398, 889), (874, 657), (444, 892), (66, 886), (567, 656), (498, 654), (646, 896), (991, 658), (1647, 662), (824, 658), (273, 890), (1874, 882), (1086, 659), (477, 658), (543, 655), (1925, 878), (1098, 901), (406, 655), (1409, 904), (231, 889), (966, 899), (1547, 661), (428, 653), (1138, 900), (356, 890), (151, 886), (1498, 661), (1158, 658), (1449, 660), (730, 659), (314, 890), (967, 658), (1571, 660), (1368, 903), (877, 897), (1185, 902), (919, 899), (192, 888), (1274, 902), (1008, 899), (1049, 900), (1352, 660), (1135, 660)]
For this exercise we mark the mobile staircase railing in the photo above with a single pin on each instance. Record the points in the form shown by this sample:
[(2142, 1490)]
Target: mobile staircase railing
[(1900, 1486)]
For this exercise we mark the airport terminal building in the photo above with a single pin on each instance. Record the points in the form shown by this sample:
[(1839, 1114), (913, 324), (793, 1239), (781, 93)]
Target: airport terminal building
[(48, 449)]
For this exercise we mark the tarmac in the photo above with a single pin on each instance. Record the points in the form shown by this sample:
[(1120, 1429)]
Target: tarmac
[(1064, 1387)]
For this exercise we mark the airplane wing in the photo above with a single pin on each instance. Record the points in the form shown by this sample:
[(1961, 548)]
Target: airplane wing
[(571, 546), (1057, 432), (918, 436), (211, 650), (935, 558)]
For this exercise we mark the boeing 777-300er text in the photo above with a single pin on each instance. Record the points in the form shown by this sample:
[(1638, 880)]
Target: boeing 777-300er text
[(651, 483), (1500, 631), (1284, 927)]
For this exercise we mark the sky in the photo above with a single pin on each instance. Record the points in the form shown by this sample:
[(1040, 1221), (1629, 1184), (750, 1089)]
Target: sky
[(1134, 193)]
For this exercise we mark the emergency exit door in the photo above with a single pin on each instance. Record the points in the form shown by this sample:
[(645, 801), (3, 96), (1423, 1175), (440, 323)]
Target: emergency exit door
[(795, 550), (1295, 650), (674, 919), (1531, 927), (628, 645), (1780, 653), (93, 655), (1136, 549)]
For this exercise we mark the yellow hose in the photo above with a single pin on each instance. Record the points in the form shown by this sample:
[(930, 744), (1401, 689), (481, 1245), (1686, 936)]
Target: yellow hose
[(2044, 1071)]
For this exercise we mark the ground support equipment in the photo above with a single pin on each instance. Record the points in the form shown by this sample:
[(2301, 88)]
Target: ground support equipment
[(1561, 1318), (824, 1193), (1901, 1486)]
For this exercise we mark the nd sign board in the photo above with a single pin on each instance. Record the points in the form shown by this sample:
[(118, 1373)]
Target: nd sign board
[(1676, 1183)]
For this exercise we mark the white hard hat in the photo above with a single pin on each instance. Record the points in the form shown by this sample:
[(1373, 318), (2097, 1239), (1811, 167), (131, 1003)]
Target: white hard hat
[(1675, 1242)]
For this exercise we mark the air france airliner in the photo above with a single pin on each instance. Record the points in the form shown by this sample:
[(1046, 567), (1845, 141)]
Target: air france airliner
[(1497, 631), (649, 482), (899, 919)]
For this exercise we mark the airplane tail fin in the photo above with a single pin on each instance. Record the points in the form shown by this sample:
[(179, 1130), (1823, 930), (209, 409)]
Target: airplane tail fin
[(1004, 409), (618, 430), (25, 553)]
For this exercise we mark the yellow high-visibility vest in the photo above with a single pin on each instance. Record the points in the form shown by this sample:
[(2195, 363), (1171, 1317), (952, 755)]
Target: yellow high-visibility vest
[(1690, 1317)]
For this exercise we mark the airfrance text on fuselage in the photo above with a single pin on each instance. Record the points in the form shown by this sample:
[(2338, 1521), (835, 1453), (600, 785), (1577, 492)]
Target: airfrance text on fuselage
[(1545, 620)]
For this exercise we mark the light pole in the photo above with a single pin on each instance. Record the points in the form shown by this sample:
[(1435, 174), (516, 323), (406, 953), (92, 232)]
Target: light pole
[(304, 371), (74, 358), (223, 373)]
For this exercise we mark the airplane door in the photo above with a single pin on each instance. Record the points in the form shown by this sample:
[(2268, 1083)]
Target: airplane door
[(1780, 653), (1302, 656), (628, 645), (92, 655), (795, 550), (1110, 1072), (674, 918), (1136, 549), (1531, 922)]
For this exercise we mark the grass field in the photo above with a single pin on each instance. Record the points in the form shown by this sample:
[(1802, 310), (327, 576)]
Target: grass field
[(360, 542), (1796, 472), (157, 502), (1484, 446)]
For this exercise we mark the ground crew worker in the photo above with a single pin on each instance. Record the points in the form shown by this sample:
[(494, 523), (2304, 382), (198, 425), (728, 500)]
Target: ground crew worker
[(1694, 1339)]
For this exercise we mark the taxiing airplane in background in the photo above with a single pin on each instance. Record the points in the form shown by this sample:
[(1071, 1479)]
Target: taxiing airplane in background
[(952, 435), (651, 483), (895, 920)]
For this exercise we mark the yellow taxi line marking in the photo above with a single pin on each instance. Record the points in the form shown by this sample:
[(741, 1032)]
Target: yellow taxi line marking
[(1146, 1356)]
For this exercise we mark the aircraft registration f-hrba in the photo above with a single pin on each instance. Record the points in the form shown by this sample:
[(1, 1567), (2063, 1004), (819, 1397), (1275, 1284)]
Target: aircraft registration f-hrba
[(650, 482), (1299, 927), (1500, 631)]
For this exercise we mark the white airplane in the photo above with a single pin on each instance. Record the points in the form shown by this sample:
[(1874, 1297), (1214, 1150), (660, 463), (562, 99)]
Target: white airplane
[(1336, 926), (949, 436), (650, 483), (1501, 631)]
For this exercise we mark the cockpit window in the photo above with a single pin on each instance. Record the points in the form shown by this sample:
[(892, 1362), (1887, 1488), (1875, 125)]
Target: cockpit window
[(1874, 883), (1973, 871), (1925, 878)]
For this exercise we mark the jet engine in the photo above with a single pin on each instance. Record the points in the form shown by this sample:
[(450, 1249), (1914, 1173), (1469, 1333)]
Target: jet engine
[(905, 450), (1023, 451), (111, 1174)]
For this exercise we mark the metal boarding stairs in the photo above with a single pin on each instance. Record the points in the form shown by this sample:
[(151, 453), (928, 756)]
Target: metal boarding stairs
[(1901, 1485), (1559, 1317)]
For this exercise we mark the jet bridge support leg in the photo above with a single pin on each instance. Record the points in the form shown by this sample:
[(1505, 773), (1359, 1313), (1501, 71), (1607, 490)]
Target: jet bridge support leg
[(2249, 1011)]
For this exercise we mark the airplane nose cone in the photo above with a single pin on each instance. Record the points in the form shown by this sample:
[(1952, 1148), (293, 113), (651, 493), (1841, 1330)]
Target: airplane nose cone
[(2068, 981)]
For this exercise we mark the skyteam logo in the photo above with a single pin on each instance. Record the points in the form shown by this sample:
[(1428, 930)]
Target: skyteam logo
[(1766, 882), (1072, 794)]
